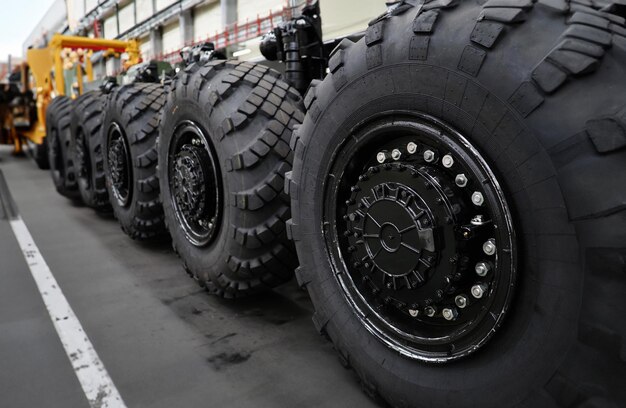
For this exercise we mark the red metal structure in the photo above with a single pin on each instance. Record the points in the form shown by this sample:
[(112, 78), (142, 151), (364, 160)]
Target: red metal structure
[(235, 33)]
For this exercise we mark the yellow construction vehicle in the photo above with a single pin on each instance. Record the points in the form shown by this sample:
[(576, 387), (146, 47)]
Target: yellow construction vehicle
[(42, 78)]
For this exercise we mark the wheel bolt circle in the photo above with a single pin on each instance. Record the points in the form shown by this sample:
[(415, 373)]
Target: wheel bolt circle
[(482, 268), (429, 156), (477, 198), (447, 161), (478, 290), (461, 180), (411, 148), (449, 313), (414, 312), (430, 311), (461, 301), (489, 247), (396, 154), (381, 157)]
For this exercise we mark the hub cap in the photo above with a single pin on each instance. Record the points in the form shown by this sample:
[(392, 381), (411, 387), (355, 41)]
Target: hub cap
[(421, 237), (194, 183), (119, 165)]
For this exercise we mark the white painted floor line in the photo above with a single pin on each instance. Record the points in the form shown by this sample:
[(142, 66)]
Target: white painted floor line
[(93, 377)]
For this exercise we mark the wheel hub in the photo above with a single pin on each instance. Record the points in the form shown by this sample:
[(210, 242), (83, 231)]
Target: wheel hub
[(402, 215), (424, 236), (194, 183), (119, 163), (190, 182)]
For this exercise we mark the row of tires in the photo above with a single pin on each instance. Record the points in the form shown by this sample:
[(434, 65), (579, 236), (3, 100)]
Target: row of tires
[(460, 172), (103, 151)]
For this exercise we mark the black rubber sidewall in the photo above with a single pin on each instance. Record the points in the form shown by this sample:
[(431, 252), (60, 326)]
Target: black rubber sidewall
[(81, 123), (539, 330), (58, 120), (132, 108), (212, 258)]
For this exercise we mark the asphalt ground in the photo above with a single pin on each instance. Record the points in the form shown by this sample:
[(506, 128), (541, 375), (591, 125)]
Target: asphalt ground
[(163, 340)]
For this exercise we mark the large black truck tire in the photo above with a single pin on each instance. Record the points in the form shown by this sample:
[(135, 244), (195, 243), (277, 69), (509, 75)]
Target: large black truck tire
[(86, 149), (223, 154), (41, 155), (458, 196), (58, 135), (130, 131)]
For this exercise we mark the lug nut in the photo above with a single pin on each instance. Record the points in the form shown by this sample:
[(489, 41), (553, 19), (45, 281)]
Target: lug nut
[(430, 311), (460, 180), (396, 154), (411, 148), (449, 313), (381, 157), (461, 301), (489, 247), (482, 268), (479, 290), (447, 161), (429, 156), (477, 198), (414, 312)]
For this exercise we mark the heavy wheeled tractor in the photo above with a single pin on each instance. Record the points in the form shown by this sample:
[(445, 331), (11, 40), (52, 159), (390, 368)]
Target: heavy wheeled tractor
[(457, 194), (41, 112), (457, 199), (452, 178)]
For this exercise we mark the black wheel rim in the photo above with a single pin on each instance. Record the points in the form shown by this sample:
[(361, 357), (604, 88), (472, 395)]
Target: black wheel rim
[(83, 163), (420, 236), (194, 182), (120, 165)]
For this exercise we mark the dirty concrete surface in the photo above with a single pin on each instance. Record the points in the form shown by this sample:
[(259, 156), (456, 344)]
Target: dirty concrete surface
[(164, 341)]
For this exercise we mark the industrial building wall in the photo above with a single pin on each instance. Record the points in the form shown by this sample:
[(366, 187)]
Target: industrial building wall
[(248, 10), (144, 9), (110, 27), (145, 47), (126, 17), (343, 17), (172, 38), (161, 4), (207, 20)]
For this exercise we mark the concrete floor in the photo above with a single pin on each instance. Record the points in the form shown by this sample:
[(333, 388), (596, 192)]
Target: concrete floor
[(164, 342)]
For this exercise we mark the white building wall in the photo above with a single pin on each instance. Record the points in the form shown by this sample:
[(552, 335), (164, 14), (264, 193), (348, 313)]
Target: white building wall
[(145, 48), (126, 16), (144, 9), (248, 10), (343, 17), (172, 39), (110, 27), (207, 20), (161, 4), (90, 5)]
